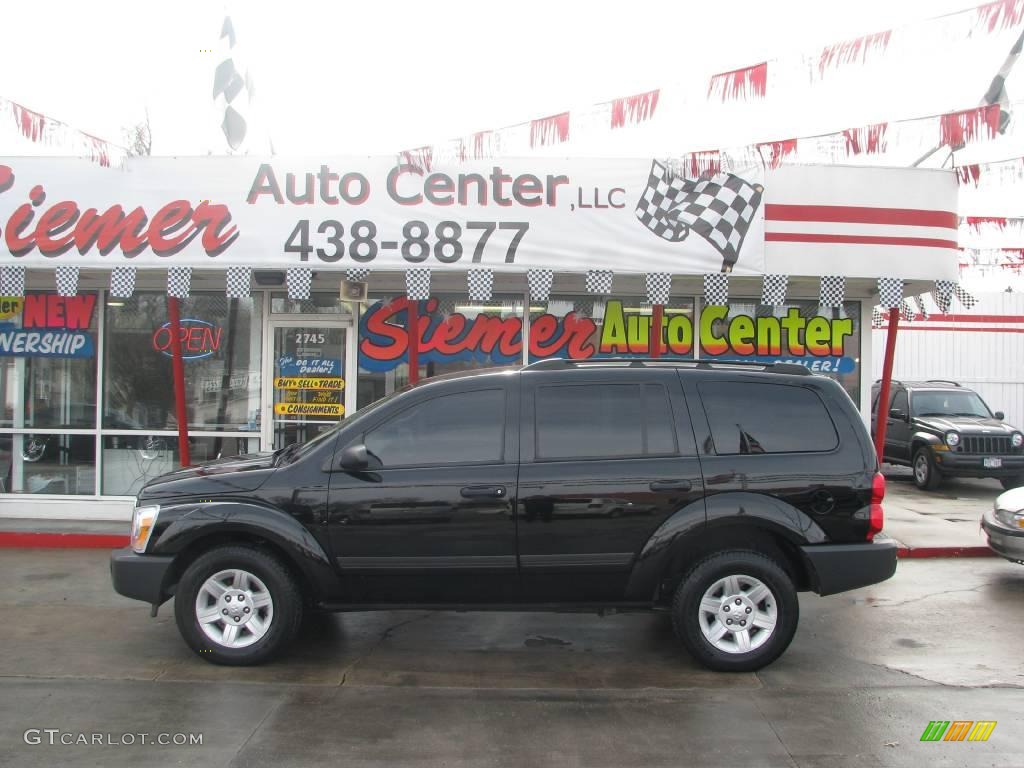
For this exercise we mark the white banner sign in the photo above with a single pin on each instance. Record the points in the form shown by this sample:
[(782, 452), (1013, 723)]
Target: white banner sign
[(510, 215)]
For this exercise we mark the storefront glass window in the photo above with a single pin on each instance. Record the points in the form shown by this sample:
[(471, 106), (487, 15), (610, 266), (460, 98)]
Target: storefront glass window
[(221, 346), (316, 304)]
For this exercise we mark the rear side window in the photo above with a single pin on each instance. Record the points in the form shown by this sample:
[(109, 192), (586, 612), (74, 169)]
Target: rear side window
[(749, 417), (590, 421)]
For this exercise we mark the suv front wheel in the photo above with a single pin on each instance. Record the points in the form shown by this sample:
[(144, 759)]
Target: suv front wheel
[(237, 606), (736, 611), (926, 474)]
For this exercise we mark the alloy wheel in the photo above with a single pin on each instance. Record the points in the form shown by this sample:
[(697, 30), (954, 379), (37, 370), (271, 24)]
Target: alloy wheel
[(234, 608), (738, 614)]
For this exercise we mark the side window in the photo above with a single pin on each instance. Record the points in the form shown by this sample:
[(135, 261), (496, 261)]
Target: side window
[(461, 428), (900, 401), (590, 421), (748, 417)]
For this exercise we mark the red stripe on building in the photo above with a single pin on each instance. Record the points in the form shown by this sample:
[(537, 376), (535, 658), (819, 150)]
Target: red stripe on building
[(851, 214), (958, 329), (814, 237)]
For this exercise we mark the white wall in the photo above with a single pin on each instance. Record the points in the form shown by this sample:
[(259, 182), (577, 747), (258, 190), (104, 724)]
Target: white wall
[(981, 348)]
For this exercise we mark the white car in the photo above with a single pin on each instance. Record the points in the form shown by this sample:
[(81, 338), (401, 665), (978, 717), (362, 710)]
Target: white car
[(1004, 525)]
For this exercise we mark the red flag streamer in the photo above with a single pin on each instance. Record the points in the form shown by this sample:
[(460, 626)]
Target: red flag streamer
[(634, 109), (869, 140), (848, 52), (480, 145), (958, 128), (747, 83), (975, 222), (549, 130), (39, 128), (1002, 14), (421, 158), (776, 151), (698, 163), (968, 174)]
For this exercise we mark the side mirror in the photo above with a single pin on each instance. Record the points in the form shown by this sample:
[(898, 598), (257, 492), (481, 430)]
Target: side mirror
[(354, 458), (897, 413), (1000, 415)]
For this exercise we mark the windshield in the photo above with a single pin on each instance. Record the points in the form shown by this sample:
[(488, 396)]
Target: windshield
[(950, 403)]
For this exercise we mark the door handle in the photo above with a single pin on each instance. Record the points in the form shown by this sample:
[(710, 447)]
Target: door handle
[(671, 485), (483, 491)]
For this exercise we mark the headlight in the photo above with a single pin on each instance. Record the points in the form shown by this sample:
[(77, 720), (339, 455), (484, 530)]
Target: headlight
[(143, 522), (1017, 440), (1012, 519), (952, 439)]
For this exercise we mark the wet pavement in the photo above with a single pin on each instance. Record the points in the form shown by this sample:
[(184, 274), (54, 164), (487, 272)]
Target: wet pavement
[(866, 673)]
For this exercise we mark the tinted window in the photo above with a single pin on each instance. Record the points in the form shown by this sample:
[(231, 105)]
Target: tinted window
[(462, 428), (603, 421), (900, 401), (766, 418)]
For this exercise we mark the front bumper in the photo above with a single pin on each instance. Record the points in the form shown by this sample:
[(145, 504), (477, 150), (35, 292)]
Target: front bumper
[(1004, 541), (973, 464), (841, 567), (140, 577)]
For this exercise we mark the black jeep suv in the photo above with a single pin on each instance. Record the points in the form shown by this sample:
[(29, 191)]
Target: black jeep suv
[(713, 492), (944, 430)]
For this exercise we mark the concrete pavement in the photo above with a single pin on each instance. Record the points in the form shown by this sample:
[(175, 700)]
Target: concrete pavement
[(866, 673)]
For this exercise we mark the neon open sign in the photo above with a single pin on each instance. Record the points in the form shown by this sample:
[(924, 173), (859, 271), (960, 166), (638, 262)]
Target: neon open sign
[(198, 339)]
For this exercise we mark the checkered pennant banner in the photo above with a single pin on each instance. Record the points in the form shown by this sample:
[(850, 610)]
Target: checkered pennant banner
[(907, 311), (12, 281), (876, 317), (357, 274), (964, 297), (943, 295), (833, 291), (773, 290), (480, 282), (300, 281), (540, 281), (67, 281), (890, 292), (122, 282), (921, 306), (417, 284), (716, 289), (445, 307), (659, 286), (179, 282), (600, 281), (238, 284)]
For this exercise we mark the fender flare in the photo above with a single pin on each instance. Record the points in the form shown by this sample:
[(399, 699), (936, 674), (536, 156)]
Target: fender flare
[(195, 521), (923, 437), (708, 516)]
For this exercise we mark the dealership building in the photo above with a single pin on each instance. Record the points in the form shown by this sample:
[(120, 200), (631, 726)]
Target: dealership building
[(301, 291)]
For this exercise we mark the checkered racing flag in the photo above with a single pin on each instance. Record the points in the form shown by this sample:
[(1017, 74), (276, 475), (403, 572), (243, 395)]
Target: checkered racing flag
[(480, 282), (238, 284), (943, 295), (921, 306), (67, 281), (659, 286), (12, 281), (417, 284), (833, 291), (773, 290), (890, 292), (716, 289), (540, 281), (357, 274), (179, 281), (907, 311), (964, 297), (122, 282), (876, 317), (600, 281), (300, 280), (719, 208)]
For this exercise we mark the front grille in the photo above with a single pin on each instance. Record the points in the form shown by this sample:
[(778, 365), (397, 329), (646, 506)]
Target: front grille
[(992, 446)]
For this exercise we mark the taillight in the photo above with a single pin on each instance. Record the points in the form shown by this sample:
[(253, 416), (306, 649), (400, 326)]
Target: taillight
[(877, 519)]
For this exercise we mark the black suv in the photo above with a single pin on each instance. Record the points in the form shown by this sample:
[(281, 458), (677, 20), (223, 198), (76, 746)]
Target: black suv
[(944, 430), (713, 492)]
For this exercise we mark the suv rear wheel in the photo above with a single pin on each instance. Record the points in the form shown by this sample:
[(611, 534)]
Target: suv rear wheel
[(926, 474), (736, 611), (237, 606)]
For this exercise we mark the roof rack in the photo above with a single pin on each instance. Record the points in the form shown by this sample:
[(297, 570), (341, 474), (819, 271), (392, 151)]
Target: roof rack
[(943, 381), (561, 364)]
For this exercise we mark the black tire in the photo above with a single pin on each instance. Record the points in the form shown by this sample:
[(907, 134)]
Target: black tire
[(279, 582), (687, 616), (1009, 483), (930, 477)]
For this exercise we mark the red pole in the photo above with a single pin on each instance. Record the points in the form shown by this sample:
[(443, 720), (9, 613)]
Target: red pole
[(178, 369), (882, 417), (412, 329), (657, 320)]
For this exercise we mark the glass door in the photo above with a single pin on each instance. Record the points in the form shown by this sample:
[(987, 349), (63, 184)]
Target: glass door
[(308, 374)]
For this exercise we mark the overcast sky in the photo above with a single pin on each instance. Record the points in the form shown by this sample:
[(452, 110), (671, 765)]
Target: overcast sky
[(376, 77)]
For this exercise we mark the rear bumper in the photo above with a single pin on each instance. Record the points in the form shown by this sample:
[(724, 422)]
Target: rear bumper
[(140, 577), (973, 465), (841, 567)]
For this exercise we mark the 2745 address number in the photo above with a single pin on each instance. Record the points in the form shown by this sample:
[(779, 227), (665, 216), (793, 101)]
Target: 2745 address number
[(416, 245)]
